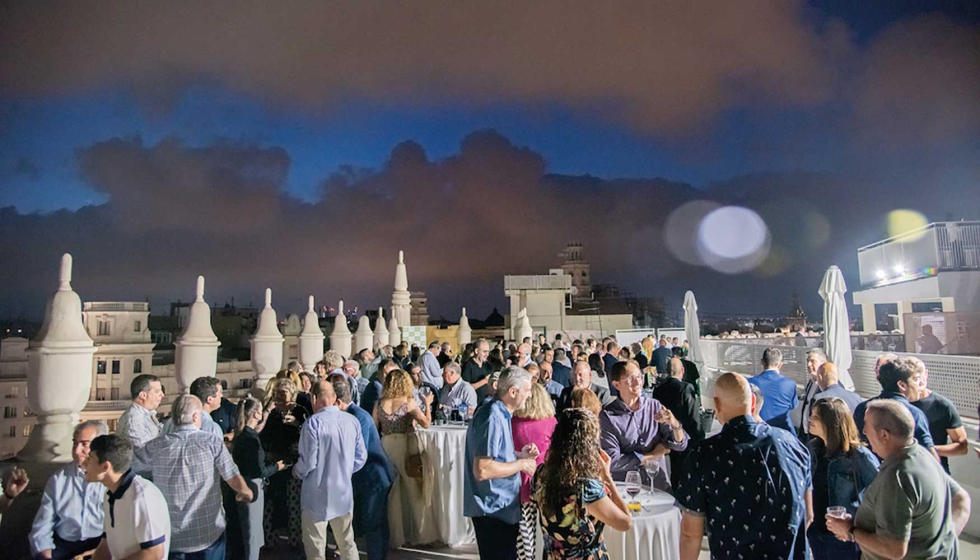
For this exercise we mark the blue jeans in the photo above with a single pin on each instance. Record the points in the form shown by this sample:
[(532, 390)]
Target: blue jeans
[(825, 546), (214, 552)]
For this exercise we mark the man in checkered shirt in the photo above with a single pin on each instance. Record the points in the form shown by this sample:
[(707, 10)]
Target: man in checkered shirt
[(139, 422), (183, 464)]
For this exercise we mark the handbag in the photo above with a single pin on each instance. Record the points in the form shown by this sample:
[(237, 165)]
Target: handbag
[(414, 464)]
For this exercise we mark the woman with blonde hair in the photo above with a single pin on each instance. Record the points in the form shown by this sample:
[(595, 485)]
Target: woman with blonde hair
[(532, 424), (397, 414), (280, 439), (842, 468), (585, 398), (575, 492)]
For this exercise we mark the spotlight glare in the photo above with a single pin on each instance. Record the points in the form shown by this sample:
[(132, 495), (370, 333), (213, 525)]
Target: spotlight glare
[(881, 274)]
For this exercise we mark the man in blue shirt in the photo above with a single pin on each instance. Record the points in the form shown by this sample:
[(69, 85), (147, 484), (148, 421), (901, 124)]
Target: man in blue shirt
[(900, 381), (779, 391), (331, 450), (69, 521), (750, 484), (492, 482), (372, 482)]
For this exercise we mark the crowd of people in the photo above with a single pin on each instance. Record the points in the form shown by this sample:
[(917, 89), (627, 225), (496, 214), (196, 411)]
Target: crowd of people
[(552, 427)]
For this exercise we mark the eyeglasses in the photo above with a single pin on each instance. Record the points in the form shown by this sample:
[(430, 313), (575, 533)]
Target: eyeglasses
[(634, 379)]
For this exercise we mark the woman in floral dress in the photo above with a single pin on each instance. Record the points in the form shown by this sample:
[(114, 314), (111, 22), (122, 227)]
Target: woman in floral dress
[(575, 492)]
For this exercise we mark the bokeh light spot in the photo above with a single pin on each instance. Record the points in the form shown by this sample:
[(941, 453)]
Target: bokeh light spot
[(733, 239), (681, 230), (901, 222)]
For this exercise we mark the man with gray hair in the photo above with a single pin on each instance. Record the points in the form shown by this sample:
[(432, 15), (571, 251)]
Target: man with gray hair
[(184, 463), (492, 481), (455, 392), (912, 509), (779, 391), (208, 390), (69, 520)]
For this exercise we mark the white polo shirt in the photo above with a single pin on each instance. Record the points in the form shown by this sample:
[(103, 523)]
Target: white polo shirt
[(136, 517)]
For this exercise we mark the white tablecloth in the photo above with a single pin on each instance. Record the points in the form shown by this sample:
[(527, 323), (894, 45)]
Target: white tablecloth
[(656, 532), (446, 448)]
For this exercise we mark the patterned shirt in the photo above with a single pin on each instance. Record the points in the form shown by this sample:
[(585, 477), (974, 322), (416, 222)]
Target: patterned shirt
[(139, 425), (749, 481), (184, 465)]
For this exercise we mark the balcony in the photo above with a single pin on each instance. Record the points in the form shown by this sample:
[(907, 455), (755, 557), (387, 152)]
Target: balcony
[(538, 282), (116, 306), (921, 253)]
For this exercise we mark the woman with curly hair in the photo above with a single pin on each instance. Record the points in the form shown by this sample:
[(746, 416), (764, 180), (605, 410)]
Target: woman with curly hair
[(575, 492), (397, 414)]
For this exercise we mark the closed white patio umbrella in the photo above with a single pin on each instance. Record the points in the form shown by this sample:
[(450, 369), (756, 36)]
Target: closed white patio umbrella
[(692, 331), (836, 324)]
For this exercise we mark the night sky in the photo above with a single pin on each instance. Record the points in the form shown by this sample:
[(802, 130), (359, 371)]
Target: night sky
[(301, 146)]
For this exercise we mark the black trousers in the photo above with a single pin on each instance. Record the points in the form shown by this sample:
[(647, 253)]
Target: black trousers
[(66, 550), (495, 539)]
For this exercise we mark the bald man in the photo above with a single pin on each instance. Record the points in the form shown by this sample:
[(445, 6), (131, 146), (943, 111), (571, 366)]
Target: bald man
[(751, 483), (331, 450), (828, 382)]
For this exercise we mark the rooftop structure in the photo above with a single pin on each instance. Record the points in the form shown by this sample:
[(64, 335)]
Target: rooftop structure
[(937, 264)]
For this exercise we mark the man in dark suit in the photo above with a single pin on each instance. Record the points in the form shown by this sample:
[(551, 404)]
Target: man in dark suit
[(583, 379), (691, 373), (611, 356), (372, 483), (681, 400), (562, 374)]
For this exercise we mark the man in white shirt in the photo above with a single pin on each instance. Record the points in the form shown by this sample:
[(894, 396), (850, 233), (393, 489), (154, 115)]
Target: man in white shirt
[(69, 521), (136, 520), (454, 392)]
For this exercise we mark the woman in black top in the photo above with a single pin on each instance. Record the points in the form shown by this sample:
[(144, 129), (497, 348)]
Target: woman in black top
[(280, 440), (246, 537)]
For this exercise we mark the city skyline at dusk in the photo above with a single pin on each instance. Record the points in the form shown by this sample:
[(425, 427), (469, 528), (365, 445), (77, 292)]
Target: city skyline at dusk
[(303, 151)]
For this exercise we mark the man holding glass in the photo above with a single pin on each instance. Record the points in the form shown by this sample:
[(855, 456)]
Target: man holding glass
[(638, 430)]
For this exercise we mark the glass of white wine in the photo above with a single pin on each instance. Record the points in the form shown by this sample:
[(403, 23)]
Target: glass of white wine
[(633, 487), (652, 468)]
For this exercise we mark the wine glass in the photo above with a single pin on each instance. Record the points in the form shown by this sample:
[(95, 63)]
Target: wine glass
[(652, 468), (633, 487)]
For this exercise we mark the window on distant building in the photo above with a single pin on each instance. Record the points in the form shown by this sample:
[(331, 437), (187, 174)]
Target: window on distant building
[(10, 412), (103, 328), (138, 366), (245, 383), (115, 366), (100, 394), (27, 430), (114, 393), (136, 326), (100, 366), (112, 425), (12, 432)]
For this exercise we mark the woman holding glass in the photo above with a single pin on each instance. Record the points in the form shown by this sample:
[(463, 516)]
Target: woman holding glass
[(575, 492), (397, 414), (842, 468)]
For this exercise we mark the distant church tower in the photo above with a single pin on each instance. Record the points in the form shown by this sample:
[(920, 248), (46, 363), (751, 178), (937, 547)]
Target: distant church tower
[(796, 321), (574, 265)]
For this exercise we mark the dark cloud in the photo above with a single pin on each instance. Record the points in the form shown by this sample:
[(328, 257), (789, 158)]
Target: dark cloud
[(18, 167), (919, 83), (658, 67), (176, 211)]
